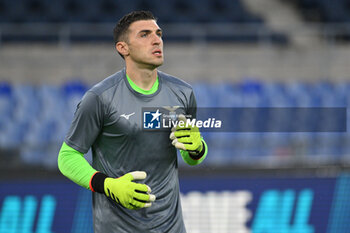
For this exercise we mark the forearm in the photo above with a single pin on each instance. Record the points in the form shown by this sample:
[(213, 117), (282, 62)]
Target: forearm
[(195, 160), (74, 166), (123, 191)]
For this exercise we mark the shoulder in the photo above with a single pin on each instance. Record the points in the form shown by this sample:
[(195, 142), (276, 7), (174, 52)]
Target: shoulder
[(179, 88), (174, 82), (109, 84)]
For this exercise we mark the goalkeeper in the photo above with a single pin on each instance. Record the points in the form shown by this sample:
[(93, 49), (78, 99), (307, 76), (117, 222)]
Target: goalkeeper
[(134, 173)]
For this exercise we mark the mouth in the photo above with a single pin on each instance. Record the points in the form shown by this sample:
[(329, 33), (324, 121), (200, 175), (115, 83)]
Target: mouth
[(157, 52)]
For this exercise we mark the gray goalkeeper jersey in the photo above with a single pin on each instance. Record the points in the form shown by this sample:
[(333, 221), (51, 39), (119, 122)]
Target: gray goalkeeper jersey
[(109, 120)]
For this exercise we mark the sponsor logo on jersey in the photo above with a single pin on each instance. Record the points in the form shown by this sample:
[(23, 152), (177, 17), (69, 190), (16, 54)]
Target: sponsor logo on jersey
[(151, 119), (127, 116), (172, 111)]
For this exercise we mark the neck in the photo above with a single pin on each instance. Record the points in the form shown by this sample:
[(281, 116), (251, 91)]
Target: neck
[(143, 78)]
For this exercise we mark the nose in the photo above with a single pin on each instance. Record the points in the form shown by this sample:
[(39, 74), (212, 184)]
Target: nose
[(156, 39)]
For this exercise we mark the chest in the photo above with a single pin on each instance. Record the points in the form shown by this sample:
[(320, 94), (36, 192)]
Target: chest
[(128, 115)]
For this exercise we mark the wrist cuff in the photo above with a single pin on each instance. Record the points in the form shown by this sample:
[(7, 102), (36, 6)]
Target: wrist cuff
[(97, 182), (199, 155)]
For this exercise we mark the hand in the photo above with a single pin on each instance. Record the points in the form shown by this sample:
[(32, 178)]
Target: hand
[(186, 137), (129, 194)]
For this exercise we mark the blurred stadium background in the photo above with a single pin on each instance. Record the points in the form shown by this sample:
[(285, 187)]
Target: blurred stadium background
[(235, 53)]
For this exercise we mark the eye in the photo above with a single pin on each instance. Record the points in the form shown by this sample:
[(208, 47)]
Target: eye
[(159, 33), (144, 35)]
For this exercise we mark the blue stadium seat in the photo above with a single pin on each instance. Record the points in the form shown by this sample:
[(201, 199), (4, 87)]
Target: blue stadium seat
[(44, 131), (276, 144), (13, 133), (328, 95), (228, 95), (275, 95), (204, 95), (327, 146), (72, 92), (300, 93), (301, 144), (35, 119), (342, 90), (52, 102), (6, 99), (345, 146), (251, 144), (27, 103), (252, 93)]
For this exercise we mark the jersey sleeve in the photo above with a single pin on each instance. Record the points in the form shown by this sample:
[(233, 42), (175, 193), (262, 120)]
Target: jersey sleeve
[(194, 161), (87, 123), (192, 106), (192, 111), (74, 166)]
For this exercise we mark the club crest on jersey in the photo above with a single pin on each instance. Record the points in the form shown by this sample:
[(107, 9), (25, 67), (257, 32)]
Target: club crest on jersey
[(152, 119)]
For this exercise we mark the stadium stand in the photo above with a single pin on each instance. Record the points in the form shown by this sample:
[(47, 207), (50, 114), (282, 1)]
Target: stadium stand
[(325, 11), (279, 59), (328, 12), (108, 11), (36, 118)]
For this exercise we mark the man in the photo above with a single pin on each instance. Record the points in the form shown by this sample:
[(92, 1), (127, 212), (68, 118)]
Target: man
[(108, 119)]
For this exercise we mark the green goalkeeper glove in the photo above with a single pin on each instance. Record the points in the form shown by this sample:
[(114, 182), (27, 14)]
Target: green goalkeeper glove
[(123, 191), (185, 137)]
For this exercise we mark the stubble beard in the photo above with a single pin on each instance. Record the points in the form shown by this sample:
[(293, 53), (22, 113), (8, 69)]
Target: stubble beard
[(152, 65)]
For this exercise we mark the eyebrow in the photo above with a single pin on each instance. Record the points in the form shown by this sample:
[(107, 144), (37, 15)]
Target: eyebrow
[(149, 31)]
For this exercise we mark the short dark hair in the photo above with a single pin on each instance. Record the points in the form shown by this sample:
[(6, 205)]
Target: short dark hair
[(120, 30)]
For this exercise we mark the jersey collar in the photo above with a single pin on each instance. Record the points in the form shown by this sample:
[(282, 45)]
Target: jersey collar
[(139, 91)]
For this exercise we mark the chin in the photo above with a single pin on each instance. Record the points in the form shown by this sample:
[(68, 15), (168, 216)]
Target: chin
[(157, 64), (152, 64), (160, 63)]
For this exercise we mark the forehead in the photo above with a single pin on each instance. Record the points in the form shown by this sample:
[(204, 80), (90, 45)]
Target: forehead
[(140, 25)]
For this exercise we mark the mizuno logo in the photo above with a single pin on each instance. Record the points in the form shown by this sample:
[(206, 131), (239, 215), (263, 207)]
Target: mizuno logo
[(127, 116)]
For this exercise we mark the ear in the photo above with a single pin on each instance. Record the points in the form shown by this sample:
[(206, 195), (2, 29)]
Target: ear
[(122, 48)]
